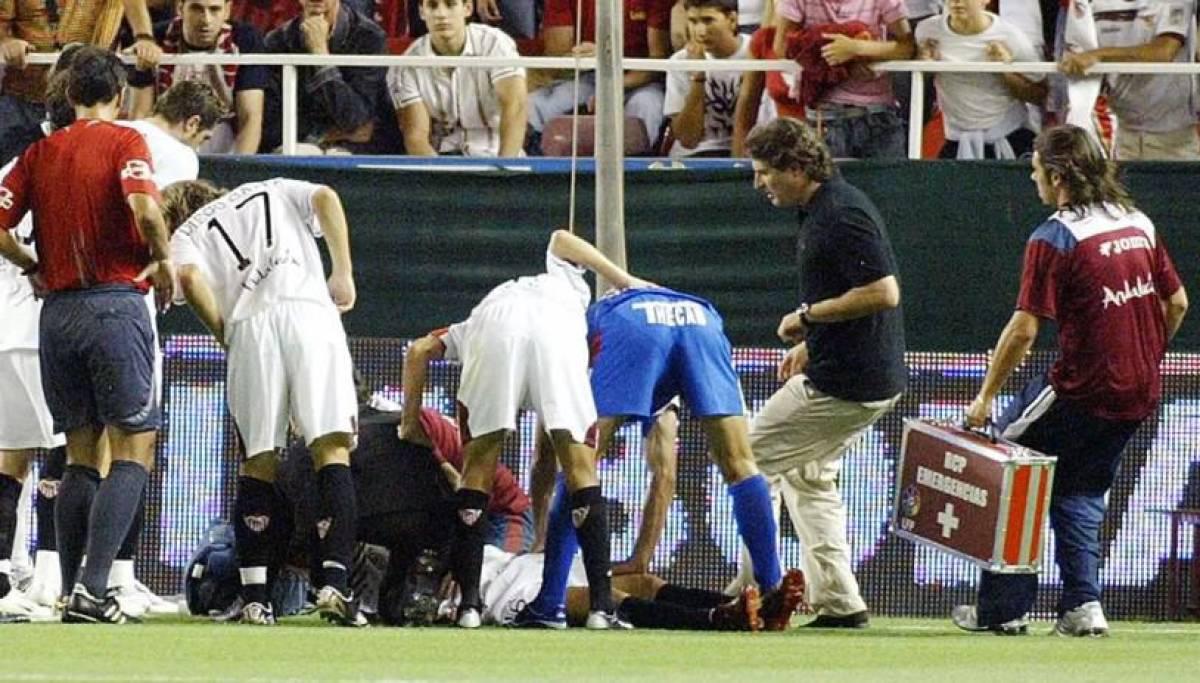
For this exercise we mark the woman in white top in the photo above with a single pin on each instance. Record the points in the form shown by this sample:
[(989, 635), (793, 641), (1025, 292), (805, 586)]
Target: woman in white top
[(985, 114), (468, 112)]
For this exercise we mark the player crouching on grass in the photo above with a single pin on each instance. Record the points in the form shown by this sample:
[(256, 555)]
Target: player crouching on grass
[(251, 271)]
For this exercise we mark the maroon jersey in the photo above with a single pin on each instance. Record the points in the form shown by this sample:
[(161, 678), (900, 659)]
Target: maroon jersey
[(507, 496), (1101, 275), (76, 182), (640, 15)]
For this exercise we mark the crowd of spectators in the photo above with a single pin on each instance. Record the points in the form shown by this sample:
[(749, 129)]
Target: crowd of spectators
[(509, 111)]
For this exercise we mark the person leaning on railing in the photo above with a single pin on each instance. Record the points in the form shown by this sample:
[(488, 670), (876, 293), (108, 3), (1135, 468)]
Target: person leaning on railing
[(24, 28), (984, 114), (1156, 113), (339, 107)]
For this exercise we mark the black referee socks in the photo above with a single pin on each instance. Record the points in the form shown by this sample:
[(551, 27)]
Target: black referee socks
[(117, 501), (71, 513)]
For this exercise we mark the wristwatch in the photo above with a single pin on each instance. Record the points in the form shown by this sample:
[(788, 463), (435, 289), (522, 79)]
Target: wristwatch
[(802, 313)]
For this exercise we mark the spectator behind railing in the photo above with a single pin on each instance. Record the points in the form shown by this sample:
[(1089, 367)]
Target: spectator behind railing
[(700, 104), (468, 112), (647, 25), (1156, 114), (24, 28), (97, 22), (858, 118), (340, 108), (764, 95), (201, 27), (517, 18), (984, 114)]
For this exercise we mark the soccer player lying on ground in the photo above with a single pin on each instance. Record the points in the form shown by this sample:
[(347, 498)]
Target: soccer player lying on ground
[(648, 346), (524, 346), (252, 272), (101, 237)]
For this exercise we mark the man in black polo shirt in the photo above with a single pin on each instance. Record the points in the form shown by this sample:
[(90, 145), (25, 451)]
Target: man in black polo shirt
[(845, 369)]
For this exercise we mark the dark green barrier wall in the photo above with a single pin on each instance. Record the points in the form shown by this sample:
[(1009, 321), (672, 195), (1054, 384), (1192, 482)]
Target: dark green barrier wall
[(429, 244)]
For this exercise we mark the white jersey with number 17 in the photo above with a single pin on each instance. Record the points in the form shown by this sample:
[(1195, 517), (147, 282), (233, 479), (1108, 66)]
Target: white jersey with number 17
[(256, 247)]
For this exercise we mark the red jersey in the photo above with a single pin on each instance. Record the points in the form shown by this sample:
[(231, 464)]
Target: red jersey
[(1101, 276), (76, 182), (640, 16), (507, 496)]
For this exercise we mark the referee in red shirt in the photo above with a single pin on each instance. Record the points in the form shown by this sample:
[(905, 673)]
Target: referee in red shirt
[(101, 242)]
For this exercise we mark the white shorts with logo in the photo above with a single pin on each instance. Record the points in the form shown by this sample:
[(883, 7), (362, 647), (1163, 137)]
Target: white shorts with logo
[(518, 356), (291, 361), (25, 421)]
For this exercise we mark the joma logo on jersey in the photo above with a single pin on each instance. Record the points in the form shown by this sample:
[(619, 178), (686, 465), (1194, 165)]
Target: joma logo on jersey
[(1137, 290), (136, 169), (1115, 247), (6, 198), (672, 314)]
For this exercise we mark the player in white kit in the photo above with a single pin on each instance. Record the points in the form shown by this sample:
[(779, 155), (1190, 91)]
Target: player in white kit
[(250, 267), (524, 346)]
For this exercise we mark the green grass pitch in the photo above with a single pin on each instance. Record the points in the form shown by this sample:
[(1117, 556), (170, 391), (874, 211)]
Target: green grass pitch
[(306, 649)]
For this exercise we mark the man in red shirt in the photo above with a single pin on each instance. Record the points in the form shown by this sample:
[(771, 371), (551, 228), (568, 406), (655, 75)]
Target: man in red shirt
[(1099, 269), (647, 34), (101, 242)]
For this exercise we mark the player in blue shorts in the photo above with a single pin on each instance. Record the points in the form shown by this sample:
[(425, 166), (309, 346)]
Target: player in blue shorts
[(648, 346)]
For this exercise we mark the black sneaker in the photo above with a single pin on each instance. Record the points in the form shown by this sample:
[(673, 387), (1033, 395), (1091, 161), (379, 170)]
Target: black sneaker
[(530, 617), (338, 608), (855, 620), (83, 608)]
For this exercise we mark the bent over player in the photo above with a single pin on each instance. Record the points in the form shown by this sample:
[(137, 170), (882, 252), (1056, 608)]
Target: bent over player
[(649, 345), (525, 345), (1098, 268), (252, 272)]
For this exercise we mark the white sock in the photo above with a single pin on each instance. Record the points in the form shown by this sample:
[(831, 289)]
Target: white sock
[(121, 573)]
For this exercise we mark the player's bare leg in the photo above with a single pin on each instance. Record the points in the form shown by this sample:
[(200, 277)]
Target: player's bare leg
[(336, 521), (258, 516), (480, 456)]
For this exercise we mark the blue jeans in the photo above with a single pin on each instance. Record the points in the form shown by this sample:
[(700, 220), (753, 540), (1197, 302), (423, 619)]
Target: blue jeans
[(1089, 450), (875, 135)]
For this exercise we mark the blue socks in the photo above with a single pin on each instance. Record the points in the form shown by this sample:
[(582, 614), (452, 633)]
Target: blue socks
[(756, 525), (561, 544)]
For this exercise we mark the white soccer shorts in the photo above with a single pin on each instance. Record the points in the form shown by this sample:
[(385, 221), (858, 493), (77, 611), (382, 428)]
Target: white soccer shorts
[(519, 355), (25, 421), (290, 361)]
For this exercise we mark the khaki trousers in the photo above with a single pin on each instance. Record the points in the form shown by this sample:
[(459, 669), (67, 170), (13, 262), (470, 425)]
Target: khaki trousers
[(798, 440)]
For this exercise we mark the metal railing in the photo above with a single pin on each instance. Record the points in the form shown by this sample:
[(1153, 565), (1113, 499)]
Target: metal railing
[(289, 62)]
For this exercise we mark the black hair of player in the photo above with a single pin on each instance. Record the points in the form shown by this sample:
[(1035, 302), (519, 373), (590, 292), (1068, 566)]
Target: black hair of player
[(96, 77)]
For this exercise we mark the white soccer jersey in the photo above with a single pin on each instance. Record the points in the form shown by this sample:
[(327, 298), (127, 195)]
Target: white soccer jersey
[(256, 247), (464, 112), (1149, 103), (720, 96), (173, 160), (19, 310)]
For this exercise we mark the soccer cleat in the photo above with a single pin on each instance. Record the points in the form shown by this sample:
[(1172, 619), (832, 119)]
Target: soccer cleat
[(530, 617), (1085, 620), (156, 604), (257, 614), (468, 617), (855, 620), (740, 614), (16, 606), (83, 608), (966, 618), (780, 604), (339, 609), (599, 620), (46, 587)]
